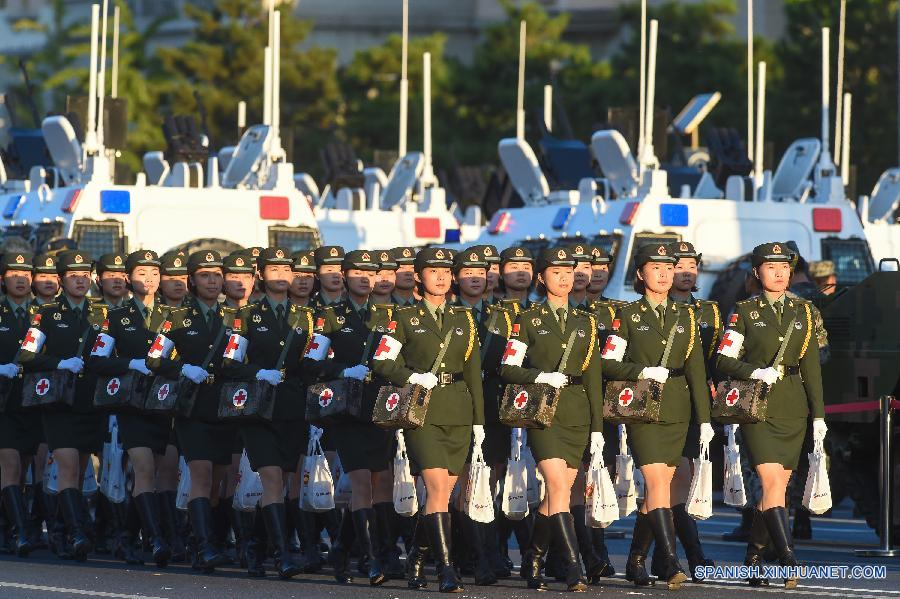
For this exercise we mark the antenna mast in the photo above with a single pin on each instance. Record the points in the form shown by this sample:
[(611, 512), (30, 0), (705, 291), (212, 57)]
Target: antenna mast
[(90, 139), (750, 78), (648, 159), (642, 99), (428, 173), (520, 96), (839, 94), (404, 82)]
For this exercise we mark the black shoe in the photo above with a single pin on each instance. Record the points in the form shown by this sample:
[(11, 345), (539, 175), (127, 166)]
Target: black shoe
[(593, 566), (564, 531), (776, 520), (242, 523), (255, 542), (311, 560), (339, 554), (439, 533), (598, 540), (686, 529), (533, 562), (802, 524), (169, 517), (664, 533), (56, 528), (756, 546), (276, 527), (208, 556), (388, 551), (415, 557), (123, 521), (641, 539), (71, 504), (148, 508), (741, 532), (364, 524), (14, 502)]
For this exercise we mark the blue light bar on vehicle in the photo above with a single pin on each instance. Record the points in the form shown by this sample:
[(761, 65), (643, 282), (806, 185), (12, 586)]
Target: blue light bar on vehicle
[(12, 205), (673, 215), (451, 236), (115, 201), (563, 216)]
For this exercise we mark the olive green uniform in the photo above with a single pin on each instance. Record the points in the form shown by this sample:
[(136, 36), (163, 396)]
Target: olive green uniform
[(361, 445), (779, 438), (579, 411), (686, 388), (444, 440), (20, 429)]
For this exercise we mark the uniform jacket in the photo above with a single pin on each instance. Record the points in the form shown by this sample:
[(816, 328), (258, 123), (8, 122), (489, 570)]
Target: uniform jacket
[(546, 342), (64, 334), (266, 337), (646, 342), (132, 335), (792, 396), (494, 328), (460, 403), (11, 335)]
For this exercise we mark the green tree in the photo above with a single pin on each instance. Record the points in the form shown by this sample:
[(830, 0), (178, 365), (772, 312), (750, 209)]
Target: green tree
[(224, 63), (870, 75)]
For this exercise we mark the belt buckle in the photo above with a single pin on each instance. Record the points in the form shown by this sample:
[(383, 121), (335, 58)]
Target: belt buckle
[(210, 379), (446, 378)]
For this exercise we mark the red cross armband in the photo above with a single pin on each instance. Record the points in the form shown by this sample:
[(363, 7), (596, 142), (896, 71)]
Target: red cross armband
[(514, 354), (614, 349), (388, 348), (731, 344)]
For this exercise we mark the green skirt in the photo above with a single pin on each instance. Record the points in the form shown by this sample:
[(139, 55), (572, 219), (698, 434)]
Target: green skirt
[(559, 441), (775, 441), (439, 446), (657, 442), (362, 446)]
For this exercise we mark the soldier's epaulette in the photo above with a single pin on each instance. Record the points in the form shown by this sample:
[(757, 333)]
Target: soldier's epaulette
[(404, 309), (126, 307), (460, 309), (177, 314), (532, 308), (635, 304), (747, 301)]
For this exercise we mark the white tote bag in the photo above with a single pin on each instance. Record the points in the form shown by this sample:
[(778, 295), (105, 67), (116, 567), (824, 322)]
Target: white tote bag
[(601, 505), (89, 484), (405, 496), (183, 494), (112, 470), (343, 491), (316, 484), (817, 492), (478, 501), (733, 481), (699, 503), (248, 490), (515, 484), (626, 492)]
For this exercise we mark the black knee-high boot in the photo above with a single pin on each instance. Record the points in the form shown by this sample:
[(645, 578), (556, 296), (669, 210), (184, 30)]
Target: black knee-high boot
[(148, 508), (339, 553), (14, 502), (364, 524), (276, 527), (70, 503), (756, 546), (664, 533), (598, 540), (387, 545), (686, 529), (416, 555), (104, 528), (169, 517), (208, 555), (533, 560), (592, 564), (641, 539), (491, 534), (473, 533), (255, 541), (311, 560), (564, 531), (777, 524), (122, 519), (439, 534)]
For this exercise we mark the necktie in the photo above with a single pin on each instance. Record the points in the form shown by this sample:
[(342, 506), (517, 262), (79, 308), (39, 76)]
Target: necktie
[(77, 313), (561, 314), (279, 313), (661, 313), (20, 316), (439, 317), (209, 315), (779, 310), (362, 314)]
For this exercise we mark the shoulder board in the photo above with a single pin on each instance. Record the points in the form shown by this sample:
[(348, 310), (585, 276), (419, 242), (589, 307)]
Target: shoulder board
[(460, 309), (405, 309), (747, 301), (635, 304), (385, 306), (532, 308)]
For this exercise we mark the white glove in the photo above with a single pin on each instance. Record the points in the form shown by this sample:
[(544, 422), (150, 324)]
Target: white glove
[(767, 375), (139, 365), (358, 372), (478, 433), (74, 365), (656, 373), (273, 377), (597, 443), (557, 380), (706, 433), (9, 370), (819, 429), (426, 379), (194, 374)]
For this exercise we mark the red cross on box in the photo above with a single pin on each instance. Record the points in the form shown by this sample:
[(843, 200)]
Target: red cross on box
[(732, 397), (42, 387), (325, 397), (392, 401), (520, 400), (113, 386), (163, 392), (239, 398), (626, 397)]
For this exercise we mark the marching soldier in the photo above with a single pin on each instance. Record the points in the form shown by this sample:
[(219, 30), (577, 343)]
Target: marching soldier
[(267, 344), (601, 262), (20, 430), (578, 298), (45, 281), (122, 347), (191, 349), (516, 278), (60, 338), (405, 286), (492, 287), (709, 322), (385, 279), (757, 330), (328, 275), (657, 339), (173, 280), (111, 279), (438, 449), (239, 279), (304, 282), (542, 338), (352, 328)]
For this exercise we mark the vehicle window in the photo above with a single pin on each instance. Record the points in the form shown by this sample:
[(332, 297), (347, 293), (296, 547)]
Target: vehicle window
[(641, 239), (852, 259)]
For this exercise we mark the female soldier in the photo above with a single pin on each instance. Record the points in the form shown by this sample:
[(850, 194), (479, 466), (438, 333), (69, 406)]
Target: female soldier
[(45, 282), (542, 337), (757, 329), (708, 319), (385, 279), (364, 449), (173, 280), (330, 288), (60, 338), (652, 330), (418, 335), (197, 333), (19, 429), (405, 286), (268, 330), (304, 282), (122, 347)]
